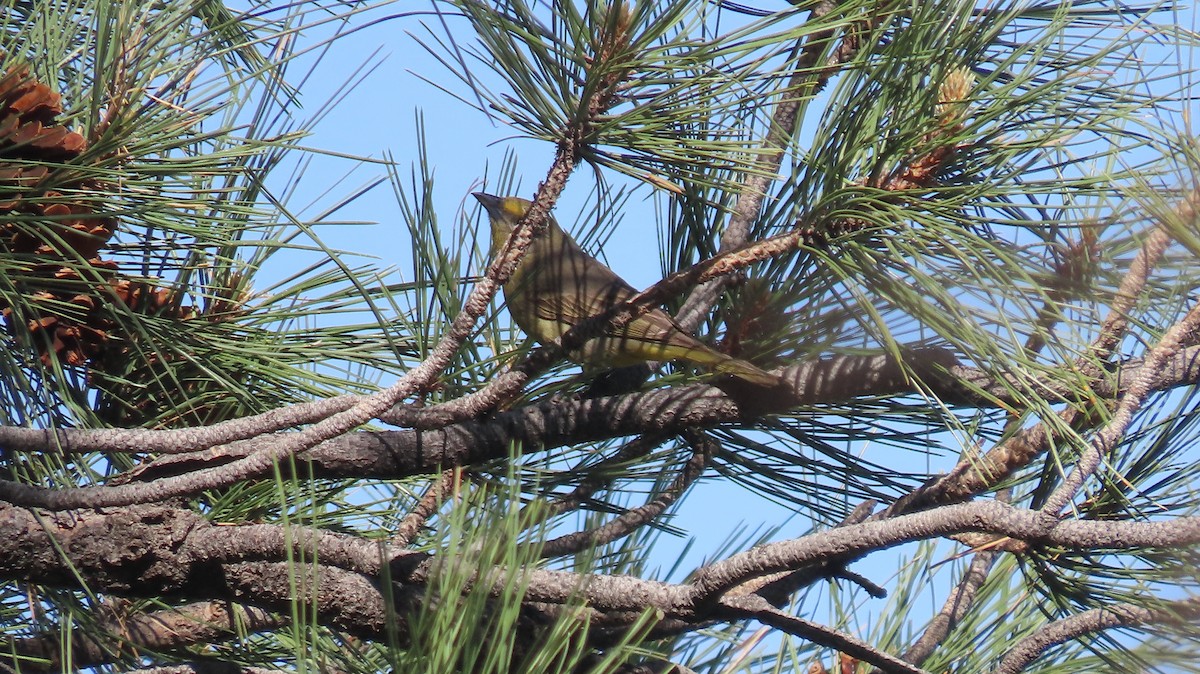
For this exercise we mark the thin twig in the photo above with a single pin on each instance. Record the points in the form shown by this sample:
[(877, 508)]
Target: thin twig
[(757, 608), (778, 588), (803, 83), (626, 523), (960, 600), (869, 586), (1107, 438), (957, 603), (593, 480), (444, 485), (1134, 282)]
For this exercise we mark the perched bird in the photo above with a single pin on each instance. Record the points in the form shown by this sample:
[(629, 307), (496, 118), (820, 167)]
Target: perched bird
[(557, 286)]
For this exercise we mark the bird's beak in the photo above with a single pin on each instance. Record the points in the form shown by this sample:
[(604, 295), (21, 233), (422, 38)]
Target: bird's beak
[(491, 203)]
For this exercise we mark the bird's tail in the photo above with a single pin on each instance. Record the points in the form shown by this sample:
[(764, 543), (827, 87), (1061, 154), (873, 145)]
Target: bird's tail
[(747, 372), (718, 362), (742, 369)]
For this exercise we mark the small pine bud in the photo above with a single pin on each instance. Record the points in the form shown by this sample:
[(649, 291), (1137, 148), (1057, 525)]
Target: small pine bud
[(952, 95)]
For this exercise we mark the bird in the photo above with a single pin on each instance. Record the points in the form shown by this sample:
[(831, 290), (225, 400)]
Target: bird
[(557, 285)]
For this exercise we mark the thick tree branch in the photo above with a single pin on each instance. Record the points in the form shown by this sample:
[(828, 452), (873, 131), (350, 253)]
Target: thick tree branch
[(992, 517), (394, 454), (820, 381), (157, 551)]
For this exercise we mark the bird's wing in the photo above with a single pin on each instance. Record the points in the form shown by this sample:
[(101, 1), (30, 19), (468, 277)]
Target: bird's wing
[(580, 287), (643, 338)]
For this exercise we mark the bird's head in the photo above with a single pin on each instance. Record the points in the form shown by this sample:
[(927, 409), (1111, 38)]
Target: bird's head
[(504, 214), (508, 210)]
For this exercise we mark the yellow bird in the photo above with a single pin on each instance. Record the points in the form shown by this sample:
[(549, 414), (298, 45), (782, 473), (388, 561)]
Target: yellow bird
[(557, 286)]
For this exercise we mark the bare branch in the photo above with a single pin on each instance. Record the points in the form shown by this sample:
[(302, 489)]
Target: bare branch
[(1095, 620), (122, 637), (1134, 282), (435, 495), (806, 80), (993, 517), (958, 602), (757, 608), (556, 423), (778, 588), (171, 441), (364, 410), (630, 521), (869, 586)]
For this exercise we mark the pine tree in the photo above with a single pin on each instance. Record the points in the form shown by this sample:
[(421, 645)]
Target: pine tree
[(963, 234)]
